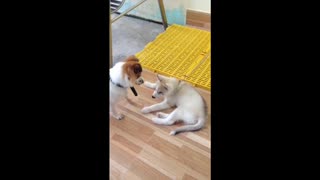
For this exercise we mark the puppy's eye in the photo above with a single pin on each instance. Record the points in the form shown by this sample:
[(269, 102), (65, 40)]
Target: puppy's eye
[(159, 92)]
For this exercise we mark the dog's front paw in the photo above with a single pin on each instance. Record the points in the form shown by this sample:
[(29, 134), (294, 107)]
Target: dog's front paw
[(161, 115), (149, 85), (172, 133), (145, 110), (119, 116)]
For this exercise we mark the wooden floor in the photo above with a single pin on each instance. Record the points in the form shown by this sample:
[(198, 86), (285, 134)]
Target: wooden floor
[(140, 149)]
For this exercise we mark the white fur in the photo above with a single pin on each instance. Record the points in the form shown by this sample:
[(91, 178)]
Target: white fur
[(191, 107), (118, 93)]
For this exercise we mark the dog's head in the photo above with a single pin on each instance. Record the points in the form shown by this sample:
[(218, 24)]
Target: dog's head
[(133, 69), (164, 86)]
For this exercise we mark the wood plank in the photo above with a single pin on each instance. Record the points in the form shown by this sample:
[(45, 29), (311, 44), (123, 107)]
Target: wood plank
[(167, 163), (125, 142), (121, 156), (144, 171), (199, 19), (188, 177)]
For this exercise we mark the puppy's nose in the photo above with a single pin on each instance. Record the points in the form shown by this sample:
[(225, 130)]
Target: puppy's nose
[(141, 81), (153, 97)]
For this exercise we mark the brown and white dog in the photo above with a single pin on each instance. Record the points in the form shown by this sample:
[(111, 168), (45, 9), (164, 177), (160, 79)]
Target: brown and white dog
[(123, 75)]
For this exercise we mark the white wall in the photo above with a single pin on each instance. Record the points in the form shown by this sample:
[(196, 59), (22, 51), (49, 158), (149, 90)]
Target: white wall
[(175, 9), (199, 5)]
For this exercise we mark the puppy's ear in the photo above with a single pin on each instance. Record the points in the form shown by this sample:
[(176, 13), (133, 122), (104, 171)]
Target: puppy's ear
[(132, 58), (165, 86), (160, 77), (137, 68)]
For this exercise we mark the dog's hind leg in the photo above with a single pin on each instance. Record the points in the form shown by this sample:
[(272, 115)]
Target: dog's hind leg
[(162, 115), (169, 120), (156, 107)]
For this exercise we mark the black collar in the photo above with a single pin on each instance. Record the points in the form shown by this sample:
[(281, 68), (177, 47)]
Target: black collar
[(117, 84)]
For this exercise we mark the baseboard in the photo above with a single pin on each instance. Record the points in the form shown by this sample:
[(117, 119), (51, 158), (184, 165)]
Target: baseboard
[(198, 19)]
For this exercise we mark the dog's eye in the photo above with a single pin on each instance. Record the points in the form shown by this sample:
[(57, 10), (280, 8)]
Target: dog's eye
[(159, 92)]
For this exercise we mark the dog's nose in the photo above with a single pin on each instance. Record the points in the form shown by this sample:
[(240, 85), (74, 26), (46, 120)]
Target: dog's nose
[(141, 81), (153, 97)]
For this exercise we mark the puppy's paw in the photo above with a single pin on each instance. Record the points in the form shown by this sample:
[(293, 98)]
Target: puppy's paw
[(172, 133), (145, 110), (119, 116), (155, 120), (160, 115), (149, 84)]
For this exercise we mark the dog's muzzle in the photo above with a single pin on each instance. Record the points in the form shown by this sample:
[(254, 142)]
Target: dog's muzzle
[(139, 81)]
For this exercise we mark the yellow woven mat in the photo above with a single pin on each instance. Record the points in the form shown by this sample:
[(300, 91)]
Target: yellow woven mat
[(180, 52)]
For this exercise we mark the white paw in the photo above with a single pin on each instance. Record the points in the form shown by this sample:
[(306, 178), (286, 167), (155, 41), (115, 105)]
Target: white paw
[(119, 116), (145, 110), (155, 120), (172, 133), (149, 84), (160, 115)]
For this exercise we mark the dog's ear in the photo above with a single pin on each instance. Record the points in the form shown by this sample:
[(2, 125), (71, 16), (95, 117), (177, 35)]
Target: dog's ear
[(165, 86), (160, 78), (132, 58), (137, 68)]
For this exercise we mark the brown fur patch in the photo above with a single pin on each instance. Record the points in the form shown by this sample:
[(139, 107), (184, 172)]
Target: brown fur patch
[(132, 68), (132, 58)]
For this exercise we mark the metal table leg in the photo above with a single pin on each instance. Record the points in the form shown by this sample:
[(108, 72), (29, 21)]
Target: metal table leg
[(110, 39), (163, 14), (128, 10)]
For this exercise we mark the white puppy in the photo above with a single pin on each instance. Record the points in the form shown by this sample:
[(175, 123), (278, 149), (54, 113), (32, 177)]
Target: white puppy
[(191, 107), (122, 76)]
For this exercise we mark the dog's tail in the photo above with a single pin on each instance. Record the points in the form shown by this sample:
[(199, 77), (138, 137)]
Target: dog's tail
[(194, 127)]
